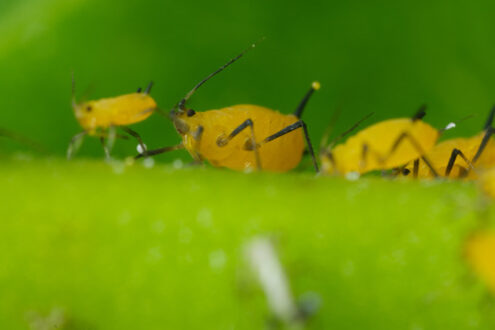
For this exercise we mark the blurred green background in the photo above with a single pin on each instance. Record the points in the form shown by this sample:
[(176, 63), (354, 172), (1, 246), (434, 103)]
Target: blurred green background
[(381, 254), (383, 56)]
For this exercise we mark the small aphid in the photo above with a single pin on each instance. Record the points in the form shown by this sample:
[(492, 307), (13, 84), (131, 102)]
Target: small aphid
[(101, 117), (480, 254), (385, 145), (242, 136), (460, 157)]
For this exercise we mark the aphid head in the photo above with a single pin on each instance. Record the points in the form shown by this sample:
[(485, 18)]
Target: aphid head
[(180, 114), (85, 113), (81, 110)]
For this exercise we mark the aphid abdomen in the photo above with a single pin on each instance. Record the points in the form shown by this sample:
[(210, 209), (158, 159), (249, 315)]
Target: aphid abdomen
[(385, 145), (278, 155)]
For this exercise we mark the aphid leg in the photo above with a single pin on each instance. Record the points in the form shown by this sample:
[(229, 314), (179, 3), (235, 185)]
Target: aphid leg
[(416, 145), (222, 141), (364, 156), (416, 168), (197, 135), (484, 142), (160, 151), (111, 136), (489, 120), (453, 156), (300, 108), (75, 143), (136, 135), (105, 148), (290, 128), (148, 88)]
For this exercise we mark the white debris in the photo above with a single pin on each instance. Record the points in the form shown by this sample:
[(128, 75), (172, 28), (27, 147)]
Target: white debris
[(266, 265), (450, 126), (139, 148)]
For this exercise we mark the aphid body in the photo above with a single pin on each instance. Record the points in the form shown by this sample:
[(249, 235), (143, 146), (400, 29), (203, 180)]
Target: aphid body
[(280, 155), (385, 145), (117, 111)]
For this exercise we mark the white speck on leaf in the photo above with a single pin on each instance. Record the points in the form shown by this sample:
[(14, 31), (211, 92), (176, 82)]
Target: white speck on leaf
[(217, 260), (352, 176), (178, 164), (154, 254), (348, 268), (204, 217), (118, 167), (185, 235), (148, 162), (158, 226), (124, 218)]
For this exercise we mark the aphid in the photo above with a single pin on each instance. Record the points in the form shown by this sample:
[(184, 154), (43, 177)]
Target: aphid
[(475, 153), (242, 136), (480, 254), (101, 117), (385, 145)]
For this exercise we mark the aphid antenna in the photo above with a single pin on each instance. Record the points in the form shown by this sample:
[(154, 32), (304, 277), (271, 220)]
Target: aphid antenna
[(73, 90), (352, 128), (489, 120), (23, 140), (162, 113), (333, 120), (181, 104), (148, 88)]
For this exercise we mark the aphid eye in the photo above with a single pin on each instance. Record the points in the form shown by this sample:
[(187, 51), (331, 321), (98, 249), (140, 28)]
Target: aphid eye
[(191, 112), (89, 108), (406, 171)]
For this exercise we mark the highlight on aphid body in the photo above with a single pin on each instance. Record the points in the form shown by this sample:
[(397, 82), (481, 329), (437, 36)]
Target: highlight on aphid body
[(100, 118)]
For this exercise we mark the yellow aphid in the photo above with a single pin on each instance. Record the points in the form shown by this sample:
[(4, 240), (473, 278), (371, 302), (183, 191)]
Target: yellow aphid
[(101, 117), (280, 155), (460, 157), (480, 254), (117, 111), (386, 145), (243, 136)]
